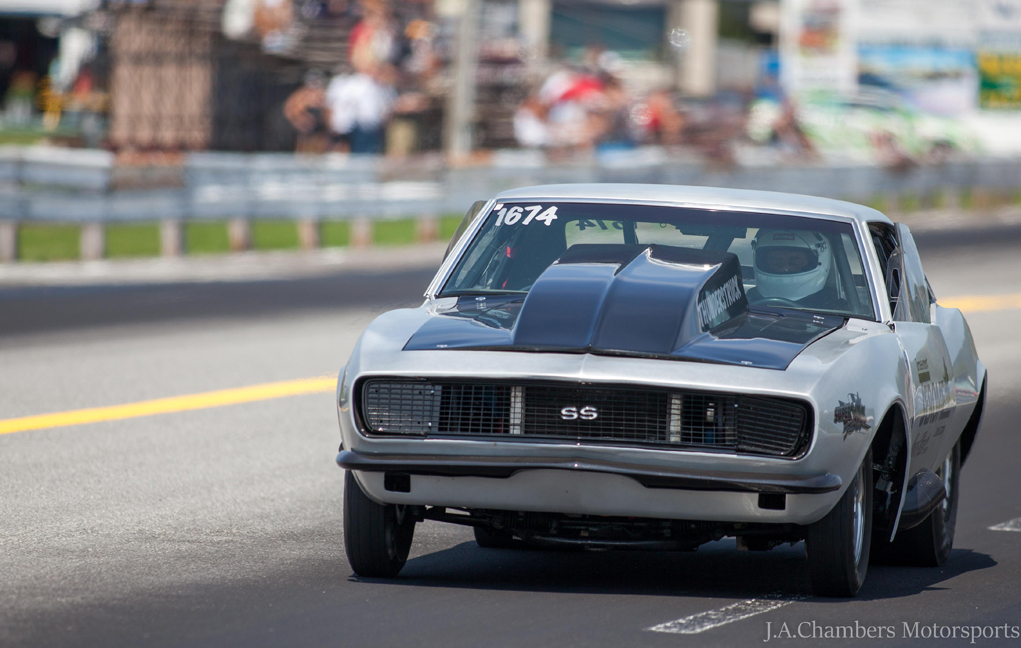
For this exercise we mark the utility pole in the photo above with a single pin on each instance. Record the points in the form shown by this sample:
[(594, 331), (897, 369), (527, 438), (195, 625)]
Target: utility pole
[(534, 26), (693, 27), (460, 113)]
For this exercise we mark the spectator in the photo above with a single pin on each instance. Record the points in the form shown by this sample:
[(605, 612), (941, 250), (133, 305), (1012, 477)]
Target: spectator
[(418, 65), (618, 128), (374, 40), (272, 19), (360, 105), (788, 133), (306, 110), (530, 129), (421, 60), (572, 100), (665, 124), (20, 98)]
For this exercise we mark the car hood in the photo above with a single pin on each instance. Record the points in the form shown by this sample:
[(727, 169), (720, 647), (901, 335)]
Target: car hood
[(637, 301)]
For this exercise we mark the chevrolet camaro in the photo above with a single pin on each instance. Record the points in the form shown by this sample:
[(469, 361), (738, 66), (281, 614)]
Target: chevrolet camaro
[(658, 367)]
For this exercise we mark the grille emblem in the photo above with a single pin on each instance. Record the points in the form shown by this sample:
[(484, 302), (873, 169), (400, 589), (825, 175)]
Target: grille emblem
[(587, 413)]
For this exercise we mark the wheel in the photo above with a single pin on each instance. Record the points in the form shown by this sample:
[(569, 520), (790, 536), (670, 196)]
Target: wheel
[(838, 544), (377, 538), (493, 539), (929, 543)]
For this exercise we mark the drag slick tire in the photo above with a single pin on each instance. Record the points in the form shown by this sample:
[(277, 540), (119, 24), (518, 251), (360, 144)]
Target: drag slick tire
[(377, 537), (838, 545), (929, 543)]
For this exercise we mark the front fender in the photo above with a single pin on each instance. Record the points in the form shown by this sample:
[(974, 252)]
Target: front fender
[(862, 373)]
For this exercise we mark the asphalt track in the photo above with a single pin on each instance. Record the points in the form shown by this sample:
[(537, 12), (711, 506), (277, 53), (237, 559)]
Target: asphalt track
[(221, 526)]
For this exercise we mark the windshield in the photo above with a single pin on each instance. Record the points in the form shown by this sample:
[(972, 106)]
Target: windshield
[(786, 261)]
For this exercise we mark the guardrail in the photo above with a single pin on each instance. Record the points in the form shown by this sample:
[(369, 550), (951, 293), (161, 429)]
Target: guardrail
[(41, 184)]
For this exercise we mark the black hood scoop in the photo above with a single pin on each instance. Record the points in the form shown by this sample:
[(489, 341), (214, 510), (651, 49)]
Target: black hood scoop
[(630, 300)]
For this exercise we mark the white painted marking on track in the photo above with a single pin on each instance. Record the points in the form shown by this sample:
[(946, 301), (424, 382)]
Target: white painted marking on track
[(703, 621), (1009, 525)]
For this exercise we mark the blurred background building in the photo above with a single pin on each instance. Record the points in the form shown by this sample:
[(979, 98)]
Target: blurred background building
[(890, 82)]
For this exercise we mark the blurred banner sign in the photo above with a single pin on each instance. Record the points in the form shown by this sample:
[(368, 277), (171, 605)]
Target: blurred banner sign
[(818, 48), (922, 51), (931, 23), (1000, 75), (940, 79), (918, 22), (999, 53)]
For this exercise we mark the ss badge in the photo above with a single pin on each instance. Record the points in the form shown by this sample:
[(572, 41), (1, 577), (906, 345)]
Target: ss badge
[(586, 413)]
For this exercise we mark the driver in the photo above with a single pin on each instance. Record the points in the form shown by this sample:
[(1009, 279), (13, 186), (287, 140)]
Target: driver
[(792, 266)]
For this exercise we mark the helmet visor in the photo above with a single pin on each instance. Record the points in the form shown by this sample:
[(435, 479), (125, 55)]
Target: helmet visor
[(781, 260)]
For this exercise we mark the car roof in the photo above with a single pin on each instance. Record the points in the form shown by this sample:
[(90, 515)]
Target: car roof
[(700, 198)]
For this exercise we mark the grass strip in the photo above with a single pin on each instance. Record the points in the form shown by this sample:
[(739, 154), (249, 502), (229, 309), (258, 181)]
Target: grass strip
[(334, 234), (274, 235), (395, 232), (206, 238), (448, 225), (909, 203), (48, 242), (132, 240)]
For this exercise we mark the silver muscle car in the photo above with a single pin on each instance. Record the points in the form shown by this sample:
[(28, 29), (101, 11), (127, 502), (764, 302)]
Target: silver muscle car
[(657, 367)]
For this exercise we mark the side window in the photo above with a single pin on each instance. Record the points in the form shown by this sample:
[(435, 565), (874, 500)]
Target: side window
[(475, 210), (906, 286), (890, 261), (913, 303)]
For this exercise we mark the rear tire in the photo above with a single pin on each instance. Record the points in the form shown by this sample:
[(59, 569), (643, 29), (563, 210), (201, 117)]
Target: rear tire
[(377, 537), (838, 544), (929, 543)]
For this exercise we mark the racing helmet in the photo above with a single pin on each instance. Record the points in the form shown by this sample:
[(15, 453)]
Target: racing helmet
[(790, 264)]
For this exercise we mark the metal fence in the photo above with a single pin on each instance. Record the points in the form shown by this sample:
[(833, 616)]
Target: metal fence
[(59, 185)]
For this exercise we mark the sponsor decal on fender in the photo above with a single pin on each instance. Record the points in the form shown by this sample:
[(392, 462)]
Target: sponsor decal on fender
[(934, 399), (920, 445), (852, 415), (923, 371)]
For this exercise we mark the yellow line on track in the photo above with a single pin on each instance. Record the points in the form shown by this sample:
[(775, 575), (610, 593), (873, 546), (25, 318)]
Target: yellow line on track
[(265, 391), (981, 303)]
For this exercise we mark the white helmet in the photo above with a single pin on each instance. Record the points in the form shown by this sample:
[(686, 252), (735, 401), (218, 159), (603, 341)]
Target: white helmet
[(790, 264)]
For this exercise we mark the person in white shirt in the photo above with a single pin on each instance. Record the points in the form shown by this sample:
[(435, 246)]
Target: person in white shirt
[(360, 105)]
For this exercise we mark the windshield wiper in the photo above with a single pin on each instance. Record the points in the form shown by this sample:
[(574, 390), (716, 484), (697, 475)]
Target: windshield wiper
[(800, 311)]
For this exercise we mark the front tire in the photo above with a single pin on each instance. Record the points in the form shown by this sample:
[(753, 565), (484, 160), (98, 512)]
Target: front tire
[(377, 537), (929, 543), (838, 545)]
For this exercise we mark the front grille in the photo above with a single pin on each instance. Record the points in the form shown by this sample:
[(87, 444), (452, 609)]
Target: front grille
[(685, 419), (622, 414), (474, 409), (404, 407)]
